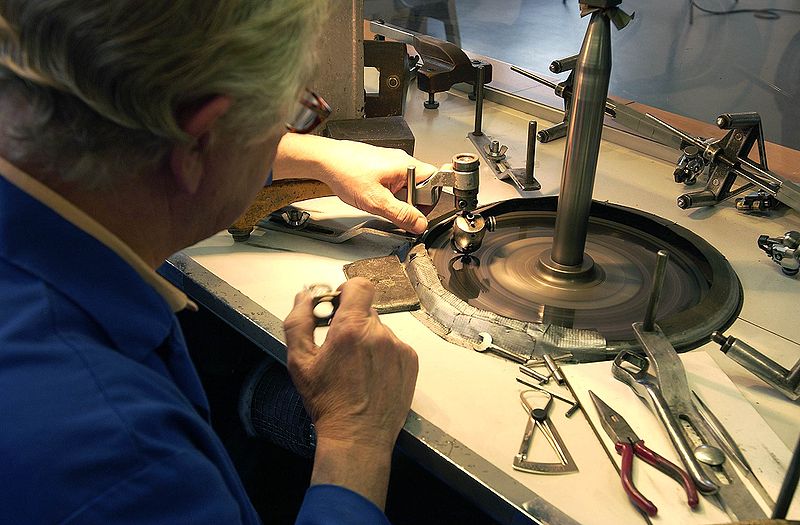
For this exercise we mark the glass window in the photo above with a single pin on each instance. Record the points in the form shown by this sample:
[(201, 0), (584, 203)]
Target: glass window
[(698, 58)]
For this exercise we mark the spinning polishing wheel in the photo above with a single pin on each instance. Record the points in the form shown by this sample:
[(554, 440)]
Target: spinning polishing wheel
[(701, 291)]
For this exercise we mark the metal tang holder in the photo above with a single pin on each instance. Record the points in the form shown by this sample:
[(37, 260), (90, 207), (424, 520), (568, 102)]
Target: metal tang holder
[(667, 393), (632, 370)]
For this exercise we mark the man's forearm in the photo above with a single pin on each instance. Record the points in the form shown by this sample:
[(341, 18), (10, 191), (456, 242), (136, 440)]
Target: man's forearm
[(301, 157), (362, 469)]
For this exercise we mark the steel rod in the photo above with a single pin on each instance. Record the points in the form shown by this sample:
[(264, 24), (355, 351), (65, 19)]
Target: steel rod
[(789, 486), (534, 76), (592, 74), (481, 78), (530, 155), (655, 292), (411, 184)]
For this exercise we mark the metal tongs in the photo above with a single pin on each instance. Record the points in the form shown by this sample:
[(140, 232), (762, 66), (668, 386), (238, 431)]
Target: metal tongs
[(667, 392)]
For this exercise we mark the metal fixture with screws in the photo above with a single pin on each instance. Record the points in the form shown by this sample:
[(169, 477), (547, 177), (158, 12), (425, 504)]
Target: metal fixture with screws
[(785, 251), (727, 158)]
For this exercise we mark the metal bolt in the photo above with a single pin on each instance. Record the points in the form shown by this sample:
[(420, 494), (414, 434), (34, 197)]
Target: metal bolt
[(431, 102)]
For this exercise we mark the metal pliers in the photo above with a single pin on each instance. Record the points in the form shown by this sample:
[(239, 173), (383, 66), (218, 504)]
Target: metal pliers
[(628, 445)]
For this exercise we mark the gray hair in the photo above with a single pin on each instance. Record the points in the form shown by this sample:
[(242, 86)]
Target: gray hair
[(105, 79)]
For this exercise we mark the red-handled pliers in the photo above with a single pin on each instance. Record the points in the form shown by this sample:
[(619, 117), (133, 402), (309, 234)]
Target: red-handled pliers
[(628, 445)]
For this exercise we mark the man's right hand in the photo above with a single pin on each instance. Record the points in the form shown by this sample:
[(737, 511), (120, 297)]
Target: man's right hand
[(357, 388)]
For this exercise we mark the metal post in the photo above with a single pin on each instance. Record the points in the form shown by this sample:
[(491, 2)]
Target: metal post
[(530, 155), (655, 292), (592, 74), (411, 184), (481, 78)]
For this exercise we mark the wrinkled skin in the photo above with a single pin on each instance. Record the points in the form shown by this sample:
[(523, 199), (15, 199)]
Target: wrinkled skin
[(359, 384)]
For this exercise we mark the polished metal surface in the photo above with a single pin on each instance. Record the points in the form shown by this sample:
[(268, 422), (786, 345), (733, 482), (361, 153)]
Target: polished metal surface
[(709, 455), (592, 74), (469, 229)]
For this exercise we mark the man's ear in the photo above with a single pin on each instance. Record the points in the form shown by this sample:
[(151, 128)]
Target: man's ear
[(187, 161)]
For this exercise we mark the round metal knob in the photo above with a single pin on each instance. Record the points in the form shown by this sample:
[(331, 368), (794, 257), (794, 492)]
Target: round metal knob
[(465, 162), (709, 455)]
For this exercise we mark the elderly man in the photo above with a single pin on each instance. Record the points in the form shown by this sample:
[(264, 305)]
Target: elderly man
[(131, 129)]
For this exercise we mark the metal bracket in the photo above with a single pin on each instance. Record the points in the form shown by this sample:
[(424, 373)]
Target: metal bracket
[(496, 156), (443, 64), (728, 158), (391, 61)]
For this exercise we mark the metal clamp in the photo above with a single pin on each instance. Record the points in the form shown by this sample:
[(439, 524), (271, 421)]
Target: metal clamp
[(785, 251), (727, 158), (463, 175)]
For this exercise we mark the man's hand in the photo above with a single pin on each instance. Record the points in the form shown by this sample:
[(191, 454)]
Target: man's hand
[(361, 175), (357, 388)]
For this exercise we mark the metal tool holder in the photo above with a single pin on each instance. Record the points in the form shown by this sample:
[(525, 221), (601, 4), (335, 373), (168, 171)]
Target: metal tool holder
[(496, 154), (667, 393), (725, 160), (561, 89), (463, 175), (443, 64), (784, 251), (787, 382)]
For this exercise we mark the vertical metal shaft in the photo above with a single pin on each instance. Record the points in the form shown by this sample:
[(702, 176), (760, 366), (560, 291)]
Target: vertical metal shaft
[(655, 292), (530, 155), (592, 74), (481, 78), (411, 183)]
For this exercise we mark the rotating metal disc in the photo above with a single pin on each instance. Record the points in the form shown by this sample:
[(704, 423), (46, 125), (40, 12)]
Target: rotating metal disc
[(701, 292)]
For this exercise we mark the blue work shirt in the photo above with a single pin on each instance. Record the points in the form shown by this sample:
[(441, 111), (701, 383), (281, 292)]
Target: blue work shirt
[(102, 416)]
